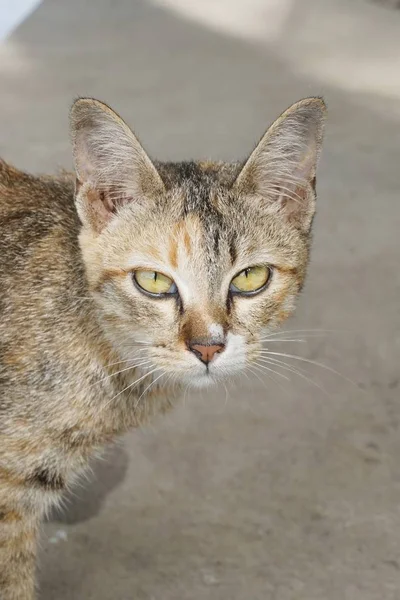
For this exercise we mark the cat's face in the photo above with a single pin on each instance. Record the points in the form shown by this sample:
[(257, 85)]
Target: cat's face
[(190, 263)]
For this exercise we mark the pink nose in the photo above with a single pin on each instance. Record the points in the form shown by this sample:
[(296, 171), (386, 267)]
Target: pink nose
[(206, 353)]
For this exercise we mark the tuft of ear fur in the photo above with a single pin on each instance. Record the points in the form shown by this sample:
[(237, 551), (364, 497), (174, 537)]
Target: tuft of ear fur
[(282, 167), (111, 166)]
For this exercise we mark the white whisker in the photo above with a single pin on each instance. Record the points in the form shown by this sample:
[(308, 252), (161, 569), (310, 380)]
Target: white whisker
[(275, 372), (303, 332), (307, 360), (135, 366), (147, 388), (298, 372), (117, 362), (132, 385), (284, 340), (226, 393), (184, 395), (260, 368)]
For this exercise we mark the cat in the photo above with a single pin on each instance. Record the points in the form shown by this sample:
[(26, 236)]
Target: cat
[(127, 281)]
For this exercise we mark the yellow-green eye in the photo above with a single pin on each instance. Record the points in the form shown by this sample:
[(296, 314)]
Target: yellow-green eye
[(154, 282), (250, 280)]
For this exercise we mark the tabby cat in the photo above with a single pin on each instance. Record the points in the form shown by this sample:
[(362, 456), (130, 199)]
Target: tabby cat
[(127, 281)]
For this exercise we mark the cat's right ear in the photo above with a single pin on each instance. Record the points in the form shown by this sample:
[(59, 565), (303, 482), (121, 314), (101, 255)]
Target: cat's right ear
[(281, 170), (112, 168)]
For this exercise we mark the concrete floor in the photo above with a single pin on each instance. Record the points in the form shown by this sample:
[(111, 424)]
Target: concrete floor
[(272, 492)]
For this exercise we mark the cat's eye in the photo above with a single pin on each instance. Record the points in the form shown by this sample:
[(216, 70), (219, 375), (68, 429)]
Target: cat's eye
[(251, 280), (154, 283)]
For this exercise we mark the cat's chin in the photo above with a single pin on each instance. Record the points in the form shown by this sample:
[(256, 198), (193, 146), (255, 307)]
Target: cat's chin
[(201, 381), (200, 377)]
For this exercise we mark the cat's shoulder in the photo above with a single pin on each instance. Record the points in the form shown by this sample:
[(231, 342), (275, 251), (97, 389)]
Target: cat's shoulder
[(21, 190)]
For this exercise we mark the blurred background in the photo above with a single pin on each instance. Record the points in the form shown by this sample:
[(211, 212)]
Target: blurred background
[(276, 489)]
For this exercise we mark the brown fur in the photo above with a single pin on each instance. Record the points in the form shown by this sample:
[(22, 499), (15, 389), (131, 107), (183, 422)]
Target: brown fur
[(84, 355)]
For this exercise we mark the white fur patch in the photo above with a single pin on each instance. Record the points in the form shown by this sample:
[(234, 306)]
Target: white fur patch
[(215, 330), (234, 355)]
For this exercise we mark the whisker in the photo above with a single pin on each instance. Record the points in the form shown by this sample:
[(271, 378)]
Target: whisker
[(124, 360), (305, 331), (253, 372), (177, 384), (226, 393), (174, 382), (135, 366), (283, 340), (117, 362), (132, 385), (259, 379), (169, 378), (298, 372), (275, 373), (147, 388), (262, 369), (280, 362), (259, 367), (185, 394), (309, 361), (172, 378)]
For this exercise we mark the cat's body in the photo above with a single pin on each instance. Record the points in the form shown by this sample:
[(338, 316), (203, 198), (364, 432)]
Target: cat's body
[(85, 351), (53, 411)]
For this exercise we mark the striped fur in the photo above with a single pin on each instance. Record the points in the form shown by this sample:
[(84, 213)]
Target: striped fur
[(84, 355)]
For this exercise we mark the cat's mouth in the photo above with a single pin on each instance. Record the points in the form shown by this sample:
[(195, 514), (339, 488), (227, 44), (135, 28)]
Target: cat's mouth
[(209, 376), (207, 365)]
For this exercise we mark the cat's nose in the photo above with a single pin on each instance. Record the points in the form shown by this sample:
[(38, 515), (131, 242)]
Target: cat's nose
[(206, 353)]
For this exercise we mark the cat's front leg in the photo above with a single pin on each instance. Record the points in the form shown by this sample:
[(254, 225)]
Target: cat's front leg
[(18, 538)]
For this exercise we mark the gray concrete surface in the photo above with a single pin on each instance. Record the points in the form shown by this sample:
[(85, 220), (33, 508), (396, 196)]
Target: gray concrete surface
[(272, 492)]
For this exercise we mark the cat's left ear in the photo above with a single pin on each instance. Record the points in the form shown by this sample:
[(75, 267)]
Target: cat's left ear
[(283, 165), (112, 168)]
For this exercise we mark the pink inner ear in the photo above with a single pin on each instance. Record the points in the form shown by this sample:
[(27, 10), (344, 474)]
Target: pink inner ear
[(294, 199), (297, 205), (97, 206), (94, 210), (109, 205), (123, 200), (113, 199)]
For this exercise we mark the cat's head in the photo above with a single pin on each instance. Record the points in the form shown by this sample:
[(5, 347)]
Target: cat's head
[(190, 263)]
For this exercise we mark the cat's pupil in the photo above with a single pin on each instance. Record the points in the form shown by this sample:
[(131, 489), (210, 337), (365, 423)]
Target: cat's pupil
[(155, 275)]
